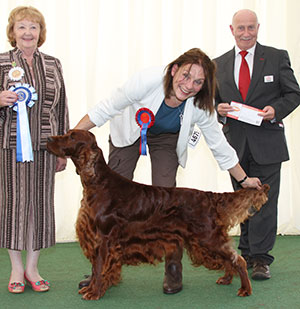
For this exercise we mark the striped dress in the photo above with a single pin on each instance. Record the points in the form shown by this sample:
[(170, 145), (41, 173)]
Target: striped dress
[(27, 189)]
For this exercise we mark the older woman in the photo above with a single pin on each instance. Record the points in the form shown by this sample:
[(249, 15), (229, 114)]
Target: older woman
[(33, 106), (180, 97)]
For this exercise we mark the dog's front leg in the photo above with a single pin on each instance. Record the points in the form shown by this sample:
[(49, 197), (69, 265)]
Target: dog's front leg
[(98, 284), (173, 270)]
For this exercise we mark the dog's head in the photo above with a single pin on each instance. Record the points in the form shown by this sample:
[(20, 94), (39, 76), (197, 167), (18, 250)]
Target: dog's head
[(72, 144), (81, 147)]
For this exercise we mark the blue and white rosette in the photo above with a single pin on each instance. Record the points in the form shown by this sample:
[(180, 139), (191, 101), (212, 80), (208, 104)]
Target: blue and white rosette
[(26, 97)]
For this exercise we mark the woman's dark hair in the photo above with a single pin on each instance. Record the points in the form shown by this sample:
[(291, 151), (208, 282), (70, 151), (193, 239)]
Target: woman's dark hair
[(204, 99)]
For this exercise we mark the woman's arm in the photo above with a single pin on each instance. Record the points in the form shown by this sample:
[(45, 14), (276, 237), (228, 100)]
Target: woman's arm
[(241, 177), (85, 124)]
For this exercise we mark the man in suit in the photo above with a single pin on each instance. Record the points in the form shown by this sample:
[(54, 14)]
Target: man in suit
[(272, 88)]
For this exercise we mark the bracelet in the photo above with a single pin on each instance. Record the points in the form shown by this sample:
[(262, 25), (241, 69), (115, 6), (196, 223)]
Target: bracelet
[(241, 181)]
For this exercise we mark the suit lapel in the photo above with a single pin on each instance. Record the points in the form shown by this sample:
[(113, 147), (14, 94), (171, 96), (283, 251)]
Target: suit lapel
[(258, 64), (229, 67)]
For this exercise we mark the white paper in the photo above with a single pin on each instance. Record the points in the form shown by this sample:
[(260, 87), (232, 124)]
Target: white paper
[(245, 113), (195, 137)]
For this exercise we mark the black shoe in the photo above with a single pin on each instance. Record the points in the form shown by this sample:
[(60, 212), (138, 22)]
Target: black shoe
[(171, 290), (261, 271), (248, 261), (85, 282), (173, 278)]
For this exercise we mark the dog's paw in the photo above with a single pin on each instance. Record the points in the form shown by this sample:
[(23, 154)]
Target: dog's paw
[(89, 293), (224, 280), (90, 296), (82, 290), (244, 292)]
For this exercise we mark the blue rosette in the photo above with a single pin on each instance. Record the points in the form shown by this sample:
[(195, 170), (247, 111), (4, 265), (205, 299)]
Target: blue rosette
[(145, 119), (26, 97)]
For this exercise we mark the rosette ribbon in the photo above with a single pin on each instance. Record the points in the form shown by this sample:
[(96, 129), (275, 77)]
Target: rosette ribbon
[(26, 97), (145, 119)]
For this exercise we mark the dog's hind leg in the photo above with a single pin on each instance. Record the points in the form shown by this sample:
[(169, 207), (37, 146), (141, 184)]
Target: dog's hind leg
[(228, 265), (241, 266), (225, 257), (227, 278), (234, 263)]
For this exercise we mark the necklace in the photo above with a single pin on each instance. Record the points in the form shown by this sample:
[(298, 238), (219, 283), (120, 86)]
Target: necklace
[(180, 115), (180, 108), (181, 111)]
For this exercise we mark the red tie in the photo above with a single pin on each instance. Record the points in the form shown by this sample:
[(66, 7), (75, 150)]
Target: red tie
[(244, 77)]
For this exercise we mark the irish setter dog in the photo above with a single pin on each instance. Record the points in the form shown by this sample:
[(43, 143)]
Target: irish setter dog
[(125, 222)]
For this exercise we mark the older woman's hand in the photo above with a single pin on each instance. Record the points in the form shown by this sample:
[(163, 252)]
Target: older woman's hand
[(7, 98), (61, 164)]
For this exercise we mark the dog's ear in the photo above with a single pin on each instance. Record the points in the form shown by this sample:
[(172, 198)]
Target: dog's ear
[(94, 145), (260, 197), (72, 135), (266, 188), (87, 160)]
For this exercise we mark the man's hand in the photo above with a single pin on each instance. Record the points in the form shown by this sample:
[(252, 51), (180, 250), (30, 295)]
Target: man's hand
[(268, 113), (224, 108)]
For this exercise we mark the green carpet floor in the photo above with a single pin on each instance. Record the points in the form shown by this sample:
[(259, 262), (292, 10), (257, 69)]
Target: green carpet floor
[(64, 266)]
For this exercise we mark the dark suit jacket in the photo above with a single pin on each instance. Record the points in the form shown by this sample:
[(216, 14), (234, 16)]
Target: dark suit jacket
[(267, 142)]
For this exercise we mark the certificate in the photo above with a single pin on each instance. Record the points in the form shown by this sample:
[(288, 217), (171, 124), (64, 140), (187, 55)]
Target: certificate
[(245, 113)]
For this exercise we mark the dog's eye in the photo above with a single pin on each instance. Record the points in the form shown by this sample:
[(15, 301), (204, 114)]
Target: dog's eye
[(72, 136)]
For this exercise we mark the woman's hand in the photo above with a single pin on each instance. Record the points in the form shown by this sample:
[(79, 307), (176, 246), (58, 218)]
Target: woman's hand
[(61, 164), (7, 98), (240, 176), (251, 182)]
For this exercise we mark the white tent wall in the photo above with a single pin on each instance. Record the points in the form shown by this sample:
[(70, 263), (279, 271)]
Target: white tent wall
[(102, 42)]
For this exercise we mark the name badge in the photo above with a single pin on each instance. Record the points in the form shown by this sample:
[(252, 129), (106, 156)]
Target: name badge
[(195, 137), (269, 79)]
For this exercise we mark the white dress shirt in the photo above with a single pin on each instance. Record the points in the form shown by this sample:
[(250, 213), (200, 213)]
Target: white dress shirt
[(238, 61)]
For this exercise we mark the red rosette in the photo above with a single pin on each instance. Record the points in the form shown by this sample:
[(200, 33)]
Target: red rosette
[(145, 116), (145, 119)]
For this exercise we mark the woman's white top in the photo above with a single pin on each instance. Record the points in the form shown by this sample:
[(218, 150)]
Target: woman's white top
[(145, 89)]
